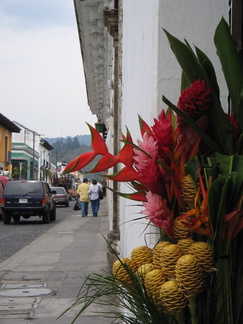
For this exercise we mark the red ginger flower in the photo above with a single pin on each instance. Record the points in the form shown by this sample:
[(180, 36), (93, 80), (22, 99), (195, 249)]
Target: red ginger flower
[(158, 213), (163, 132), (195, 100)]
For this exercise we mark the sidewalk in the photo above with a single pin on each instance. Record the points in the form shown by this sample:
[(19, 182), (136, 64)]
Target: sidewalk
[(42, 280)]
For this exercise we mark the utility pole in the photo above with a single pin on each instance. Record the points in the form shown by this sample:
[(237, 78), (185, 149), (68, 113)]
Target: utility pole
[(33, 157), (56, 168)]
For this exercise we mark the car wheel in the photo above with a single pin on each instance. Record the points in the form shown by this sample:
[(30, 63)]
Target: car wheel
[(53, 214), (6, 218), (67, 204), (46, 218), (16, 218)]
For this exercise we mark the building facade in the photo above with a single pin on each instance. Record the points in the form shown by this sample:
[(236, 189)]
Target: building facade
[(30, 155), (6, 129)]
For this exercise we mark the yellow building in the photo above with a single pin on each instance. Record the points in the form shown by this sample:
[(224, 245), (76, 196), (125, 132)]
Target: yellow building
[(6, 130)]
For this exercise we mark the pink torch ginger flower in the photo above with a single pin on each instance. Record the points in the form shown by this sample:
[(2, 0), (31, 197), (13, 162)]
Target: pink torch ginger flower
[(147, 166), (150, 146), (157, 212)]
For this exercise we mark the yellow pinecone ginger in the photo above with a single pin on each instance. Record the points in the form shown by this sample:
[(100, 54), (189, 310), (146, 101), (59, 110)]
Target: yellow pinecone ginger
[(189, 275), (141, 255), (188, 191), (144, 269), (172, 298), (169, 256), (203, 253), (120, 272), (181, 231), (157, 254), (185, 244), (153, 281)]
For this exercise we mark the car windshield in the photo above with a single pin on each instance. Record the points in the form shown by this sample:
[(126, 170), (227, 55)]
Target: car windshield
[(59, 191), (23, 188)]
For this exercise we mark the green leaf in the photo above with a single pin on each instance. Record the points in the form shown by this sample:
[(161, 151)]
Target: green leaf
[(192, 168), (238, 163), (225, 165), (209, 69), (240, 145), (239, 114), (236, 189), (231, 65), (219, 126), (184, 82), (210, 172), (201, 68), (217, 197), (185, 58)]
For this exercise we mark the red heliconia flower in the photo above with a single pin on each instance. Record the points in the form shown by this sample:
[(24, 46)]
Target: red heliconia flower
[(144, 127), (127, 174), (158, 213), (106, 162), (195, 100), (126, 154), (80, 162), (99, 148)]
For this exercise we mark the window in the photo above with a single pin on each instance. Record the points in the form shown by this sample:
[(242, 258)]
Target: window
[(6, 148)]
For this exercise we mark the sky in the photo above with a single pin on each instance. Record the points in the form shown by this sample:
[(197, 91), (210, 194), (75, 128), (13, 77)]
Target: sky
[(42, 83)]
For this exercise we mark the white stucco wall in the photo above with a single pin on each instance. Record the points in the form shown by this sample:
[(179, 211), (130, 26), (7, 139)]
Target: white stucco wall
[(150, 70)]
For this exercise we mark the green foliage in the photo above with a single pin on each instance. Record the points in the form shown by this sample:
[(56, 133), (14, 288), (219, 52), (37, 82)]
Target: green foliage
[(66, 149), (198, 66), (232, 68)]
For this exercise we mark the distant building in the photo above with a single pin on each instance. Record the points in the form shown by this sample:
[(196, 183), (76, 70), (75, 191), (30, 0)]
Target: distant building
[(6, 129), (30, 155), (44, 170)]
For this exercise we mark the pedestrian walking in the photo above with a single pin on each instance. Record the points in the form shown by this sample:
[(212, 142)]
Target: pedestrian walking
[(82, 194), (94, 197), (104, 187)]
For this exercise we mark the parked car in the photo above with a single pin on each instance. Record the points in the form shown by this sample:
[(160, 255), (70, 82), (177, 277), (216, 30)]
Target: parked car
[(28, 198), (3, 181), (61, 197)]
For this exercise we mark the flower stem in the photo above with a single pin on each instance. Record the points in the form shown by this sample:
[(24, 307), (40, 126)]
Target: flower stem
[(193, 309)]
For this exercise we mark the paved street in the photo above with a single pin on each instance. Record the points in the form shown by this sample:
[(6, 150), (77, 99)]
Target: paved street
[(41, 280), (17, 235)]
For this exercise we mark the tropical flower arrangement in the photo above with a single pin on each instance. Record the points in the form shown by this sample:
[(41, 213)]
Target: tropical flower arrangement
[(187, 170)]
